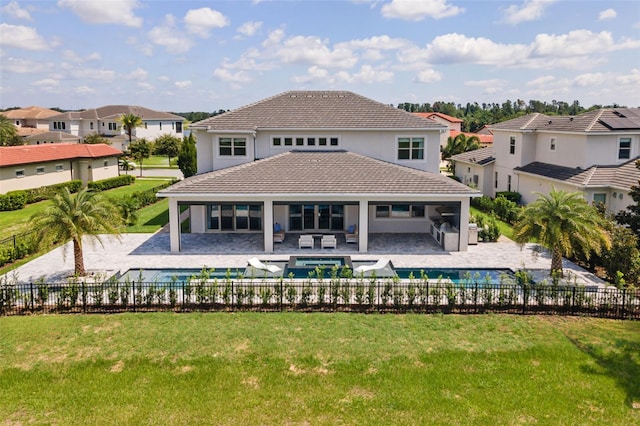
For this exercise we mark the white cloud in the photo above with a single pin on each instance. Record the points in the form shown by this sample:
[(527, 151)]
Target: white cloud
[(530, 10), (46, 82), (92, 74), (25, 66), (542, 81), (22, 37), (314, 73), (485, 83), (607, 14), (184, 84), (383, 42), (14, 10), (230, 77), (631, 79), (201, 21), (367, 74), (170, 37), (145, 86), (84, 90), (138, 74), (306, 50), (249, 28), (118, 12), (575, 43), (412, 10), (428, 76)]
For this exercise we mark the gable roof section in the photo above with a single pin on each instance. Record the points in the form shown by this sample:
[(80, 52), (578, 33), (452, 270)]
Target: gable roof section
[(600, 120), (449, 118), (115, 111), (480, 156), (318, 172), (27, 154), (622, 176), (316, 110), (54, 136), (30, 113)]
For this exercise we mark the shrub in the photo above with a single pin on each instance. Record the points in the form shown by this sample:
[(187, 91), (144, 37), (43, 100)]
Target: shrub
[(510, 195), (505, 209), (14, 200), (483, 203), (114, 182), (45, 192)]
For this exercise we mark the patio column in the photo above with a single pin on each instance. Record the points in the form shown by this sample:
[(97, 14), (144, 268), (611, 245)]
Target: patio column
[(363, 226), (464, 224), (174, 225), (268, 226)]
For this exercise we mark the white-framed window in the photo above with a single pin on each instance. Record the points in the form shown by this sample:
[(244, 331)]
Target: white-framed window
[(160, 125), (512, 145), (299, 141), (410, 148), (311, 141), (333, 141), (495, 183), (509, 183), (276, 141), (235, 147), (91, 125), (40, 170), (624, 148), (178, 126), (113, 126), (59, 125), (400, 211), (552, 144), (20, 173), (59, 168), (288, 141), (599, 198)]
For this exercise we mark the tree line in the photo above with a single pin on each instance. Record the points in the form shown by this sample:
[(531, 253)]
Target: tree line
[(476, 115)]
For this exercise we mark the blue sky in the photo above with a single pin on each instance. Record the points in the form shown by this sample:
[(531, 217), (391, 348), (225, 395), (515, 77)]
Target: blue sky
[(210, 55)]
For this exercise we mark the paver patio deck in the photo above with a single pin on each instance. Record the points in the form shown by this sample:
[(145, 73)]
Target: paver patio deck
[(221, 251)]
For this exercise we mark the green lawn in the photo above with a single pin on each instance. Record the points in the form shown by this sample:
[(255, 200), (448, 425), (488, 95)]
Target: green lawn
[(17, 221), (505, 228), (158, 161), (151, 218), (327, 369)]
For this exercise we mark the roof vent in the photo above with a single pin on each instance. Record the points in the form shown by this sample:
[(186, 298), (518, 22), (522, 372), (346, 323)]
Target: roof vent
[(570, 118), (549, 121)]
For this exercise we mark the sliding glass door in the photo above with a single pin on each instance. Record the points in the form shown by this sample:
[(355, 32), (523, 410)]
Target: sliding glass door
[(316, 217)]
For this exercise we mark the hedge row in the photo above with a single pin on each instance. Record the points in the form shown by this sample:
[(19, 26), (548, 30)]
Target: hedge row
[(16, 200), (505, 209), (24, 246), (114, 182)]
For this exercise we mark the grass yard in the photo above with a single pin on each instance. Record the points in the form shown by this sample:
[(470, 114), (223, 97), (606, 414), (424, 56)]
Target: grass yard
[(160, 161), (151, 218), (293, 368), (505, 228)]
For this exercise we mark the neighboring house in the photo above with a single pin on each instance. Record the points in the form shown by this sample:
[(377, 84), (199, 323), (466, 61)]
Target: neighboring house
[(485, 140), (31, 120), (473, 168), (33, 166), (314, 162), (453, 124), (593, 153), (106, 122), (52, 137)]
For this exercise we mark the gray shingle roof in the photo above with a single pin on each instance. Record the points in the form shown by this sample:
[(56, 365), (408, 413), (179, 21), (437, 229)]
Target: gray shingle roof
[(115, 111), (620, 176), (479, 156), (314, 172), (600, 120), (317, 110)]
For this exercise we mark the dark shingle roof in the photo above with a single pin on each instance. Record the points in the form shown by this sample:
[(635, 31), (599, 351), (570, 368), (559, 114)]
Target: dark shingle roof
[(314, 172), (619, 176), (317, 110), (601, 120), (479, 156)]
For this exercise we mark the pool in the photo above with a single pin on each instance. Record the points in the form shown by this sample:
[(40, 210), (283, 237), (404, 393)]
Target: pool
[(460, 275), (177, 275)]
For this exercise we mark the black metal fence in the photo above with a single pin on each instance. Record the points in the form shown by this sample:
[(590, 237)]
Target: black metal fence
[(391, 295)]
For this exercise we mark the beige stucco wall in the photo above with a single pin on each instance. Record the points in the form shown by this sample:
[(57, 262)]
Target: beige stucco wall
[(9, 181)]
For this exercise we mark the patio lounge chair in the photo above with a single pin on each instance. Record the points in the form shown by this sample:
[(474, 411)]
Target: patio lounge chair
[(380, 264), (255, 263), (305, 241), (328, 241), (351, 235)]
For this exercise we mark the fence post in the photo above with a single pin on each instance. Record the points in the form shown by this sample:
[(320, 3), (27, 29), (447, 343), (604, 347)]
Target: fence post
[(32, 297), (624, 302), (84, 296), (232, 292), (525, 297), (475, 298), (133, 293)]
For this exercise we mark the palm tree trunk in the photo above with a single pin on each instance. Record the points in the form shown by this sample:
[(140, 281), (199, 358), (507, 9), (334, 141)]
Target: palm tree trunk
[(78, 258), (556, 263)]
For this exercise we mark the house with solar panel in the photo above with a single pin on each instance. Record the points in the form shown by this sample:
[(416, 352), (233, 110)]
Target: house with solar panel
[(320, 163), (593, 153)]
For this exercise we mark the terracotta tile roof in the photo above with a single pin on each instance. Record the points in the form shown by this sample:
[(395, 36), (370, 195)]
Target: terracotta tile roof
[(316, 110), (115, 111), (315, 172), (622, 176), (439, 114), (601, 120), (27, 154), (479, 156), (30, 113), (484, 139)]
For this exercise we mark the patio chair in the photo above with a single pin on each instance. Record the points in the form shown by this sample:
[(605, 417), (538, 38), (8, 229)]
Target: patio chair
[(380, 264), (328, 241), (305, 241), (255, 263), (351, 235), (278, 233)]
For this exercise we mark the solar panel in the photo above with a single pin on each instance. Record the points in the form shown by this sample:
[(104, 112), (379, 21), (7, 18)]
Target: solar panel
[(626, 123)]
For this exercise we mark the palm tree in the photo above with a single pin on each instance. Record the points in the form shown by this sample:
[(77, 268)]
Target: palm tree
[(457, 145), (563, 223), (130, 122), (72, 217), (8, 132)]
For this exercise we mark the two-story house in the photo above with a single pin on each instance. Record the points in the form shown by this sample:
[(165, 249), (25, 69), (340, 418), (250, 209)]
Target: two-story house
[(32, 120), (106, 122), (593, 153), (318, 162)]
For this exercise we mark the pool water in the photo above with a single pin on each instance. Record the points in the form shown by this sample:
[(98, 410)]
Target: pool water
[(178, 275), (459, 276)]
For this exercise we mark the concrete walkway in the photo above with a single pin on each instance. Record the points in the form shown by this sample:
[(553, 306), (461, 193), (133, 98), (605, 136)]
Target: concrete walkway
[(221, 251)]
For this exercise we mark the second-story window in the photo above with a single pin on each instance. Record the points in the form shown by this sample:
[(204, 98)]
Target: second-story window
[(552, 144), (59, 125), (512, 145), (410, 148), (624, 149), (113, 126), (236, 147), (91, 125)]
